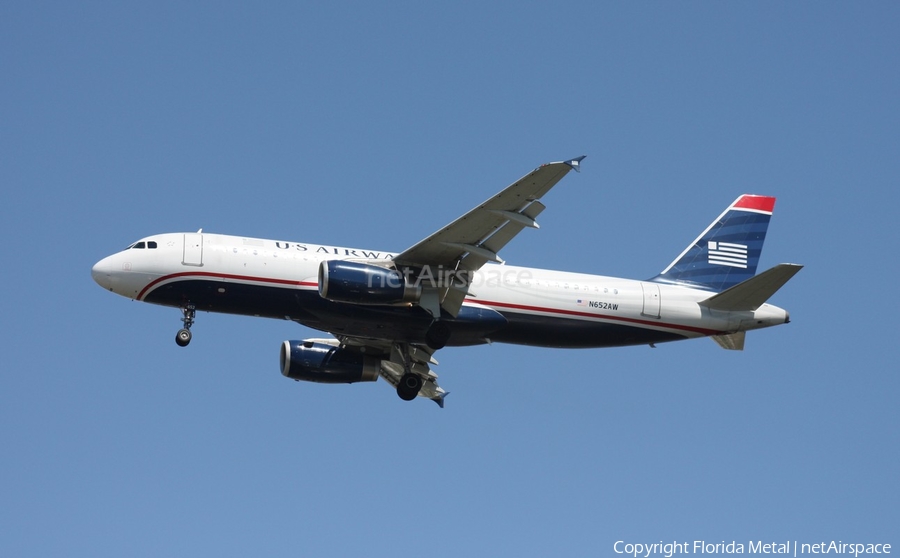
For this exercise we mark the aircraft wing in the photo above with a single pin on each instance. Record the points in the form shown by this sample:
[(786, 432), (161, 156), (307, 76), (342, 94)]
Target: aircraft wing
[(392, 364), (469, 242)]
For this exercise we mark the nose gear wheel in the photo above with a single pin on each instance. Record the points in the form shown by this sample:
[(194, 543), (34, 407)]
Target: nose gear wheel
[(183, 337)]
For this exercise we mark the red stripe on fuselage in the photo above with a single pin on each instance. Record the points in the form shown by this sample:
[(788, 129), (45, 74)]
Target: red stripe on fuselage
[(207, 274), (510, 306), (491, 304)]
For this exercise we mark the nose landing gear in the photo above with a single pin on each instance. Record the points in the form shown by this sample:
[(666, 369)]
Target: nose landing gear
[(183, 337)]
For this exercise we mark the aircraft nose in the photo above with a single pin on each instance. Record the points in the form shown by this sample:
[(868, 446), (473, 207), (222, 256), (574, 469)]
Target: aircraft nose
[(101, 272)]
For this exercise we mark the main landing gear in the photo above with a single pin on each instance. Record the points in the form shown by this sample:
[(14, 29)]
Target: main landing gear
[(437, 335), (410, 383), (183, 337), (409, 386)]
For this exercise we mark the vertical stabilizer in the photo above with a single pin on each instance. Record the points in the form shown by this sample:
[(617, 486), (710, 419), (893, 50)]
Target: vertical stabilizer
[(728, 251), (731, 341)]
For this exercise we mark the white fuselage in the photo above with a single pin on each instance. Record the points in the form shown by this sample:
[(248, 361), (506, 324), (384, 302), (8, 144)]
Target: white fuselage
[(277, 279)]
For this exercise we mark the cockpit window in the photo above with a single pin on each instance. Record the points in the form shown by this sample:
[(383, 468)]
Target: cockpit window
[(142, 244)]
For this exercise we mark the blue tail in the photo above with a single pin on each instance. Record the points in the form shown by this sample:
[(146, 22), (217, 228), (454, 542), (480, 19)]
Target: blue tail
[(727, 252)]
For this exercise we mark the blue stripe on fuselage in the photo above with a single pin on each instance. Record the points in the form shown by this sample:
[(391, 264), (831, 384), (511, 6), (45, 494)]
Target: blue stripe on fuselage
[(474, 325)]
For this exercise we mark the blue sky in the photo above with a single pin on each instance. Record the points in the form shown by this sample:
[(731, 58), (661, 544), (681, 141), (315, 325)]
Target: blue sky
[(371, 125)]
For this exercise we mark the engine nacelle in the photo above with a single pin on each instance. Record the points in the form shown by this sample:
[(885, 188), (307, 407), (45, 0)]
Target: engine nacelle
[(314, 361), (359, 283)]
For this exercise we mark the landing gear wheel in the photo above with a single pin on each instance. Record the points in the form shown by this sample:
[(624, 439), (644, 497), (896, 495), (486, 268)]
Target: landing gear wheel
[(183, 337), (409, 386), (437, 335)]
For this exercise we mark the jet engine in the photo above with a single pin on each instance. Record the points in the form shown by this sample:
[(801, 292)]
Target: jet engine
[(317, 361), (359, 283)]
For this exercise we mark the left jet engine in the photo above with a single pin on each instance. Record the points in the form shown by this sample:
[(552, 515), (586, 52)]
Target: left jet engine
[(359, 283), (317, 360)]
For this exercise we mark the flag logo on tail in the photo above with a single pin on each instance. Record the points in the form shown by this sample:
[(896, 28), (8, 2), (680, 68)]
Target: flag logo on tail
[(728, 253)]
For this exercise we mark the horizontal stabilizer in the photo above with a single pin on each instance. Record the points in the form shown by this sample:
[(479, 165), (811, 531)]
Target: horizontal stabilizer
[(754, 292), (731, 341)]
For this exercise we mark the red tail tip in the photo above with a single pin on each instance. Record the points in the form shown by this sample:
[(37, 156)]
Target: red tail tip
[(757, 203)]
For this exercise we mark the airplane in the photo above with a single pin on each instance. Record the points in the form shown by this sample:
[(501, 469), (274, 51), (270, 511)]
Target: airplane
[(390, 312)]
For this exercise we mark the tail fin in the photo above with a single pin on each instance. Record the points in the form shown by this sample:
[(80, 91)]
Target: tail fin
[(727, 252)]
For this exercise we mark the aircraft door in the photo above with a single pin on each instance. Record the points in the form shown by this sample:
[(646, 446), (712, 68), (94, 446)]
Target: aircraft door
[(193, 249), (651, 300)]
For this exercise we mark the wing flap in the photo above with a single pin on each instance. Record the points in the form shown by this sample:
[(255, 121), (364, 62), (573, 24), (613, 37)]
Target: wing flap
[(392, 367)]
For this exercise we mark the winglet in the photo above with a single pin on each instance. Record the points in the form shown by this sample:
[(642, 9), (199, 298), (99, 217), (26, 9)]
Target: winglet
[(576, 163), (439, 399)]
